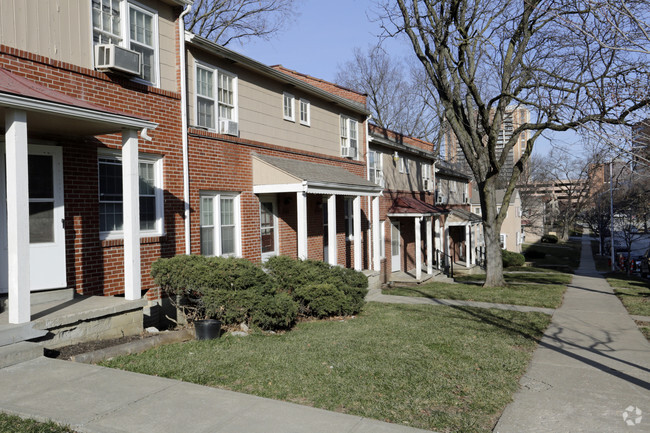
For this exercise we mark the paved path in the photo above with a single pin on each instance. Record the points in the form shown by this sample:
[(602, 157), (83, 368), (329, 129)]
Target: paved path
[(592, 364), (97, 399)]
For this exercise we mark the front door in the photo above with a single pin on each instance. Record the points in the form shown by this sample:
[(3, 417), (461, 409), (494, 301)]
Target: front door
[(395, 246), (268, 227), (46, 220)]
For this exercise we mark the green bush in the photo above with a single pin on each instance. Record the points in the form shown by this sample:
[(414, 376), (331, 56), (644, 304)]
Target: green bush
[(532, 254), (511, 258), (321, 300), (549, 239), (275, 312)]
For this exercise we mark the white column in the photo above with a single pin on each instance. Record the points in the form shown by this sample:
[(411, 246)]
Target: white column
[(418, 248), (429, 247), (17, 216), (131, 212), (376, 235), (468, 240), (301, 203), (438, 244), (332, 250), (357, 232), (446, 242)]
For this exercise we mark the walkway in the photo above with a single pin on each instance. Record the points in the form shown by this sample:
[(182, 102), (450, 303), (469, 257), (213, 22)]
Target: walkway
[(591, 366)]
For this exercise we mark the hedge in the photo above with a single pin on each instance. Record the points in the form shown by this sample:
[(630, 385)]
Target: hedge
[(511, 258)]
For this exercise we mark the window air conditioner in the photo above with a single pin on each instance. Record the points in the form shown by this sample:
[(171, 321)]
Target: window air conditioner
[(111, 57), (440, 198), (427, 184), (229, 127), (348, 152)]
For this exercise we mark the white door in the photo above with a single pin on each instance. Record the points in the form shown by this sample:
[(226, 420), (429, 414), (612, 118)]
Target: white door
[(46, 220), (395, 246), (268, 227)]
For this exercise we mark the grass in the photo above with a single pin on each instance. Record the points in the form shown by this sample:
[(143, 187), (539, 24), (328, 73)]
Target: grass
[(634, 292), (14, 424), (533, 295), (455, 377), (533, 277), (566, 254)]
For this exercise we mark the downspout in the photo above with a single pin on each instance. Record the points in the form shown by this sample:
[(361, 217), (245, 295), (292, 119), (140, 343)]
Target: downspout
[(186, 163), (369, 235)]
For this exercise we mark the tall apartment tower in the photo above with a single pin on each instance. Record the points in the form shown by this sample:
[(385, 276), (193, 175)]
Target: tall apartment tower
[(514, 117)]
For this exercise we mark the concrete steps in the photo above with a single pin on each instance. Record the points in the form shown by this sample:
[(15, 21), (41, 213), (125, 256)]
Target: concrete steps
[(19, 352)]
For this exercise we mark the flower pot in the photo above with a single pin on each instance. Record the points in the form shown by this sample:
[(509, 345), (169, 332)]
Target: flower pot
[(207, 329)]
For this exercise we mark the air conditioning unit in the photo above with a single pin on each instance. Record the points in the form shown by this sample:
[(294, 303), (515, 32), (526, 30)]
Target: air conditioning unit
[(111, 57), (440, 198), (228, 127), (427, 184), (348, 152)]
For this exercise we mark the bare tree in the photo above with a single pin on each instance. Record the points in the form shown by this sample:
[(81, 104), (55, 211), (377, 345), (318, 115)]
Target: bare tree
[(225, 21), (399, 96), (483, 57)]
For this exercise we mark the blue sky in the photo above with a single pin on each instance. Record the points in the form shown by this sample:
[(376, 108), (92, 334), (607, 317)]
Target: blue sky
[(324, 36)]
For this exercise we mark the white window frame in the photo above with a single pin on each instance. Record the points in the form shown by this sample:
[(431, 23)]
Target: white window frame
[(217, 226), (305, 108), (426, 171), (124, 39), (288, 107), (404, 165), (347, 138), (216, 72), (376, 170), (157, 160), (348, 213), (503, 241)]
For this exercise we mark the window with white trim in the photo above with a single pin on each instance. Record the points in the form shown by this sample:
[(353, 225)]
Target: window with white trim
[(348, 212), (212, 107), (287, 107), (220, 224), (305, 112), (129, 25), (375, 164), (502, 240), (426, 176), (518, 238), (111, 216), (404, 165), (349, 137)]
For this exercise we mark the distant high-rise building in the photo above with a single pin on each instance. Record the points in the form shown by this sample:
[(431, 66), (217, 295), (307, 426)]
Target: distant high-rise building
[(513, 118)]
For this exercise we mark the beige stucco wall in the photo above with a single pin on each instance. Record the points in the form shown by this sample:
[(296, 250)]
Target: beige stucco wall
[(511, 226), (62, 30), (265, 174), (260, 113)]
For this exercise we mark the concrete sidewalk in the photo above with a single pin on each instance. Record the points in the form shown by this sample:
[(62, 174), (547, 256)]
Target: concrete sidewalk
[(90, 398), (591, 372)]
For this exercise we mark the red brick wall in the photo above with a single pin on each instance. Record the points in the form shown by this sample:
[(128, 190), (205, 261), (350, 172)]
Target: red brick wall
[(332, 88), (95, 266)]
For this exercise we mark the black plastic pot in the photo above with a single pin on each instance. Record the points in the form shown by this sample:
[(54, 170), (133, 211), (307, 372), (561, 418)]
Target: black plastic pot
[(207, 329)]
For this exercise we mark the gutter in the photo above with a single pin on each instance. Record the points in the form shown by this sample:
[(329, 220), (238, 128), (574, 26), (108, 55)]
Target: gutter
[(186, 163)]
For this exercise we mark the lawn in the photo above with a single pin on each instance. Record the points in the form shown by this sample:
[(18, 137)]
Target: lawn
[(565, 254), (439, 368), (634, 292), (533, 295), (14, 424), (520, 277)]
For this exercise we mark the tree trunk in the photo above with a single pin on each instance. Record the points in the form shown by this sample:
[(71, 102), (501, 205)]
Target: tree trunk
[(494, 270)]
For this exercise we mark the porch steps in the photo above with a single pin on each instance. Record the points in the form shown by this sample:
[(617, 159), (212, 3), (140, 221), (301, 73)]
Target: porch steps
[(12, 334), (19, 352), (42, 297)]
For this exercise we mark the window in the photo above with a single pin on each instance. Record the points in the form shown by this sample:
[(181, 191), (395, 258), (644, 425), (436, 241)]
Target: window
[(404, 165), (426, 171), (220, 224), (348, 211), (305, 112), (131, 26), (349, 137), (518, 238), (211, 107), (382, 240), (111, 217), (375, 162), (502, 240), (287, 107)]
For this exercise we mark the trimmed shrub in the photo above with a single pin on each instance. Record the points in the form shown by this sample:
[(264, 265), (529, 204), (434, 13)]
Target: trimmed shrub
[(511, 258), (321, 300), (275, 312), (549, 239)]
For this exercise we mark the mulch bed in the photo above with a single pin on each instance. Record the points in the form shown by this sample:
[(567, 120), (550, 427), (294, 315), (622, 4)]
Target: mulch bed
[(66, 352)]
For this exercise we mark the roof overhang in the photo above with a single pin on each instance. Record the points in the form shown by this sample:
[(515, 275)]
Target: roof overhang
[(412, 207), (270, 178), (379, 139), (462, 217)]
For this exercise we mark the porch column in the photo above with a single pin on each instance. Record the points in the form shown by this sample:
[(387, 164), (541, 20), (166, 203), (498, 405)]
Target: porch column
[(376, 235), (131, 212), (468, 241), (429, 247), (17, 216), (438, 243), (332, 250), (356, 203), (418, 248), (446, 243), (301, 203)]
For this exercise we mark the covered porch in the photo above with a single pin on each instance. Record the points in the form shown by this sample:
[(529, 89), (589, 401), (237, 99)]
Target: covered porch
[(462, 229), (327, 213), (34, 229)]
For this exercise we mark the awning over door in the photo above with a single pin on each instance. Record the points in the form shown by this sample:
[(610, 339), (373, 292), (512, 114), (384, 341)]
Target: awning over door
[(274, 175), (413, 207)]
